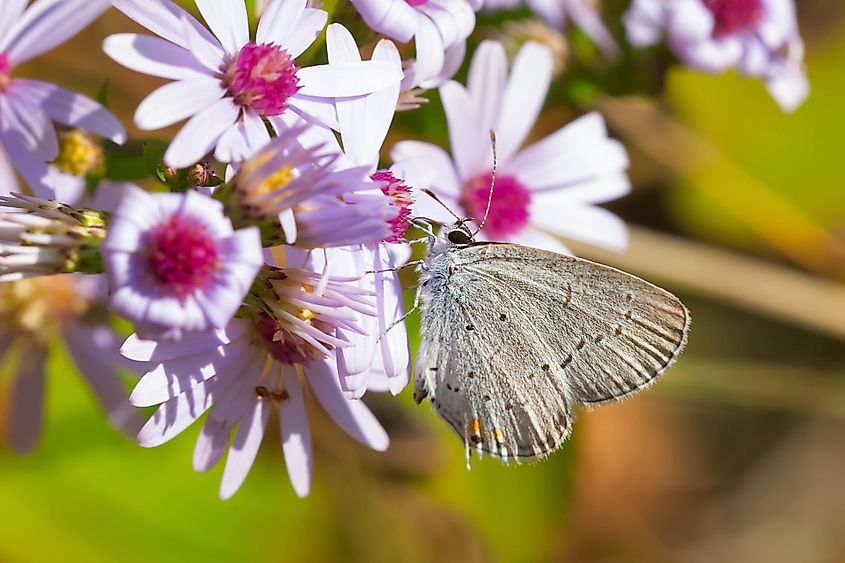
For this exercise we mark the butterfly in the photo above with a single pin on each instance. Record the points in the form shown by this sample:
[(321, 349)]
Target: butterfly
[(514, 337)]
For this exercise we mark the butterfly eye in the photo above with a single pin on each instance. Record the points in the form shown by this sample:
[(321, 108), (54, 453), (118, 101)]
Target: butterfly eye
[(459, 236)]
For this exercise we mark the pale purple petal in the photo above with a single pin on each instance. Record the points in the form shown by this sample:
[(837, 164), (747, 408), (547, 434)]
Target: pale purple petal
[(10, 12), (461, 115), (228, 20), (429, 52), (351, 415), (33, 169), (587, 223), (364, 121), (94, 351), (538, 239), (307, 30), (245, 446), (351, 79), (137, 349), (296, 435), (486, 86), (644, 22), (424, 164), (30, 123), (176, 414), (523, 99), (311, 108), (179, 375), (585, 16), (211, 443), (164, 18), (26, 401), (278, 21), (70, 108), (198, 137), (579, 150), (393, 18), (394, 350), (153, 56), (207, 54), (8, 178), (176, 101), (47, 24), (228, 410)]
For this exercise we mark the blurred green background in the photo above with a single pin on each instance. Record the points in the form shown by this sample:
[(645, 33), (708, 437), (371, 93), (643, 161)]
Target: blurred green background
[(737, 454)]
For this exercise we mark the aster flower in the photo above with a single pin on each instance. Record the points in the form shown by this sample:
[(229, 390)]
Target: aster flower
[(29, 107), (758, 38), (303, 195), (439, 28), (34, 313), (583, 13), (175, 264), (228, 84), (253, 368), (41, 237), (551, 186)]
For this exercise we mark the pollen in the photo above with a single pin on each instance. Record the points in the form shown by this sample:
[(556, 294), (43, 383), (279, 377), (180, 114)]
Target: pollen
[(79, 153)]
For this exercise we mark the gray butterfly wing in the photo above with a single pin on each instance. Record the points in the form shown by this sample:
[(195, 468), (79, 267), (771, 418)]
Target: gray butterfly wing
[(575, 332)]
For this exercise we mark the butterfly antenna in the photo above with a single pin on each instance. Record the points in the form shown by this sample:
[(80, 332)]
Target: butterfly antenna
[(492, 184), (433, 196)]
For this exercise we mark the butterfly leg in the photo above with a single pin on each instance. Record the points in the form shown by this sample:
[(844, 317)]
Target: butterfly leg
[(411, 264), (401, 319)]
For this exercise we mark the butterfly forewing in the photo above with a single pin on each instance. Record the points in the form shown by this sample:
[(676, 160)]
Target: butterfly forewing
[(538, 332)]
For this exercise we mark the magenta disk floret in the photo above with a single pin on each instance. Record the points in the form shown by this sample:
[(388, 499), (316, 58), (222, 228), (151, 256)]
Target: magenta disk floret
[(262, 77)]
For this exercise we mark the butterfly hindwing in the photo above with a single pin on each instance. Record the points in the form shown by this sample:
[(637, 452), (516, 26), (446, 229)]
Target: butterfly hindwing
[(610, 333)]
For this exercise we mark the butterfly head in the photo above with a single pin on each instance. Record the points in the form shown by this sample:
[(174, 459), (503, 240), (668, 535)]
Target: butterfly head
[(459, 234)]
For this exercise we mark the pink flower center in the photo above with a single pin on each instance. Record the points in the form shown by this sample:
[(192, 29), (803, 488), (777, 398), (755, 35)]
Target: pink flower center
[(262, 77), (283, 345), (5, 69), (734, 15), (182, 255), (416, 3), (508, 210), (400, 194)]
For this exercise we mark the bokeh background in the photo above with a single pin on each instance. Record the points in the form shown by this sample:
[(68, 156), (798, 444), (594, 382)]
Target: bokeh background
[(738, 454)]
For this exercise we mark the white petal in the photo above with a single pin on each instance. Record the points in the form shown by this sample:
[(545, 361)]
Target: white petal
[(307, 29), (176, 101), (296, 435), (200, 134), (153, 56), (424, 165), (164, 18), (350, 79), (228, 20), (461, 115), (278, 21), (244, 447), (523, 98), (584, 222)]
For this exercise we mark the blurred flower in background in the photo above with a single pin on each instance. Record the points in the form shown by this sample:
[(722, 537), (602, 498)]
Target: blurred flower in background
[(29, 107), (34, 313), (583, 13), (758, 38)]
